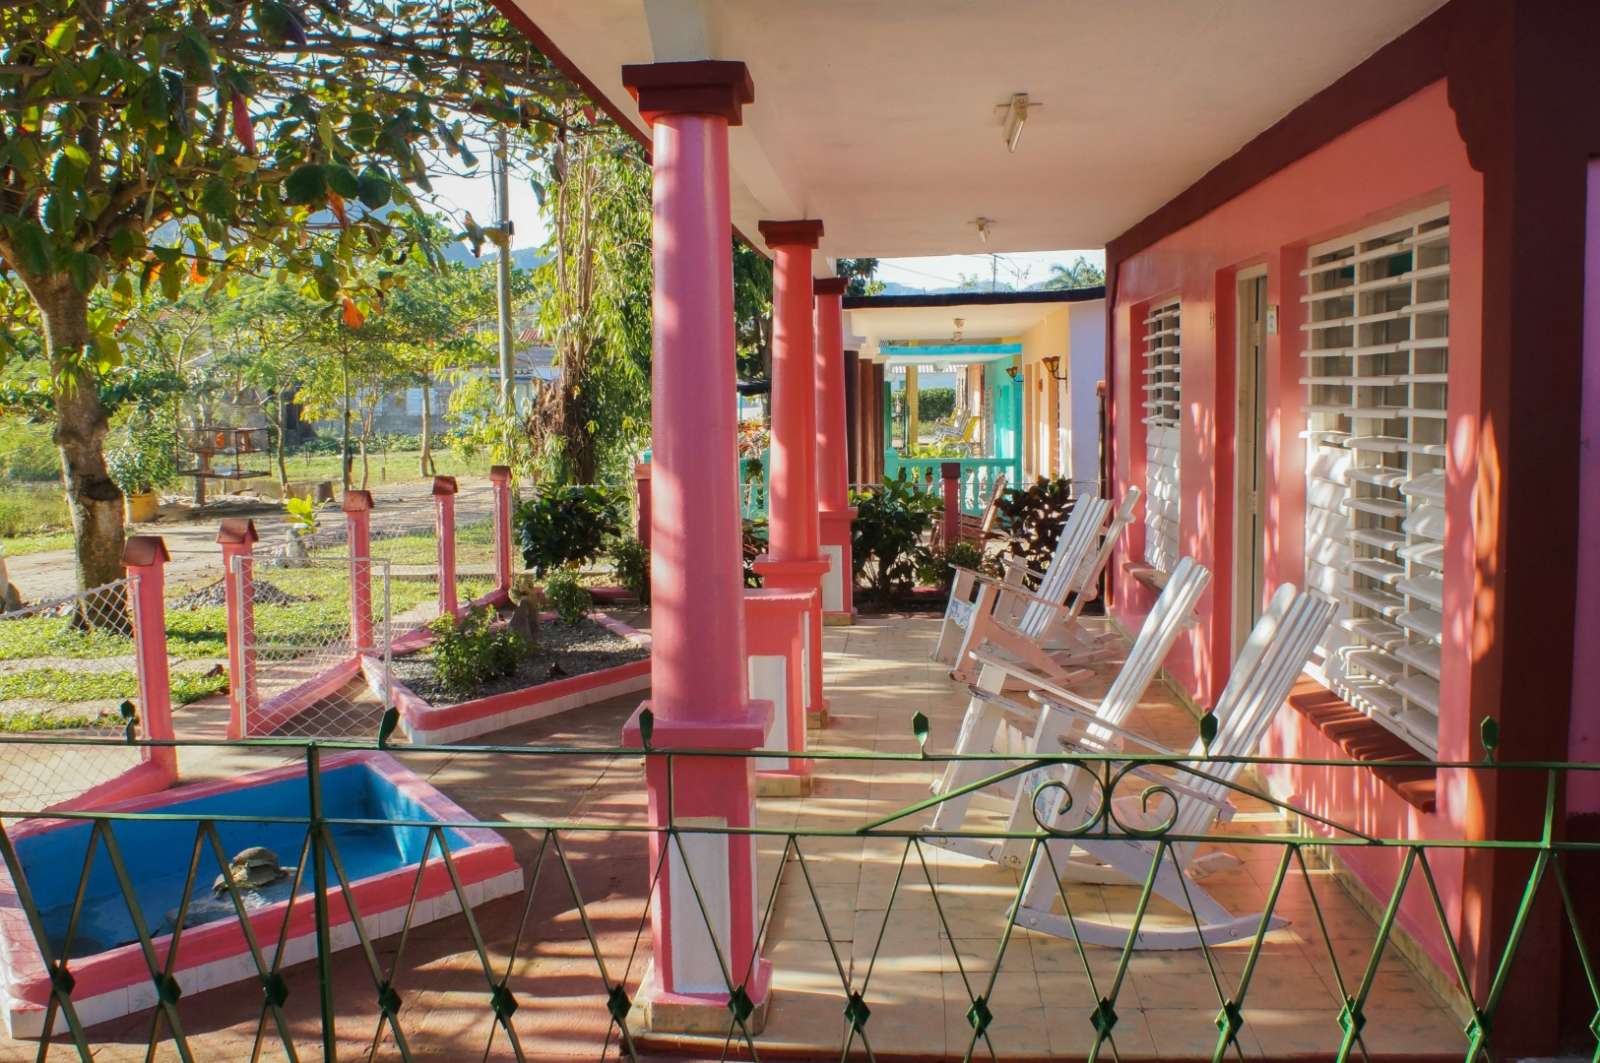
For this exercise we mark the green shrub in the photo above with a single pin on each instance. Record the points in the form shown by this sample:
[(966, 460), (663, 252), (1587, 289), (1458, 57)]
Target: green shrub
[(631, 561), (562, 526), (569, 598), (468, 652), (145, 458), (933, 404), (890, 526), (1032, 518), (755, 544), (939, 566)]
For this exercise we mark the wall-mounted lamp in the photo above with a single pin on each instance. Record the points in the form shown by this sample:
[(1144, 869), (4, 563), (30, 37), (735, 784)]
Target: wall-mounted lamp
[(1051, 363), (1013, 372)]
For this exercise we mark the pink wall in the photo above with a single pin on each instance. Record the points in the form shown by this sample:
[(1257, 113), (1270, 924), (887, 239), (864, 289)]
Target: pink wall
[(1409, 157)]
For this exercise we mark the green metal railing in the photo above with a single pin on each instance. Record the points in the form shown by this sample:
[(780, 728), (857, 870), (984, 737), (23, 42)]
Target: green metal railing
[(504, 982)]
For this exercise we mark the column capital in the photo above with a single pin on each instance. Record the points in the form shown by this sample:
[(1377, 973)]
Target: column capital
[(830, 285), (237, 531), (444, 485), (142, 551), (719, 87), (799, 232)]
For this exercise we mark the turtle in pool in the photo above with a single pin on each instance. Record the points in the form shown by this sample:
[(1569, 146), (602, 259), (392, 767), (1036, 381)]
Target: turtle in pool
[(251, 868)]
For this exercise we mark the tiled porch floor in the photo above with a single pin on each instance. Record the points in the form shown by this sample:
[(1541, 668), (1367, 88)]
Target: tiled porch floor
[(878, 676)]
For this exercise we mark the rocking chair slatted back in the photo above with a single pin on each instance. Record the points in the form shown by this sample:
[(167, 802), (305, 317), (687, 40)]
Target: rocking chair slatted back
[(1255, 692), (1085, 586), (1077, 541)]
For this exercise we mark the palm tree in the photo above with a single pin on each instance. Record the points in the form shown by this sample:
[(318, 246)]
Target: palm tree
[(1081, 274)]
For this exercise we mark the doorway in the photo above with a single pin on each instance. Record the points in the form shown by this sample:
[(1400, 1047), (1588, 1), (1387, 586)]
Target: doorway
[(1250, 457)]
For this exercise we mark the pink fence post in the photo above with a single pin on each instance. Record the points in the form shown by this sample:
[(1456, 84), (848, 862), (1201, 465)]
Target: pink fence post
[(444, 507), (238, 538), (950, 473), (641, 487), (145, 558), (358, 537), (500, 477)]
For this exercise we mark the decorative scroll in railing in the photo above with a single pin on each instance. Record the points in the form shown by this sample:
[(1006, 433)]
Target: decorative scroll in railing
[(976, 480), (1040, 955)]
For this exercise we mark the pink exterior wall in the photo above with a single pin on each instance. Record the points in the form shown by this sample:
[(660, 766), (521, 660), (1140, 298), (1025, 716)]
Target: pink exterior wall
[(1408, 157)]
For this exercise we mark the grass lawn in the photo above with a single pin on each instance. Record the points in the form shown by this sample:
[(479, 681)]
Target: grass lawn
[(397, 466), (65, 687), (18, 545)]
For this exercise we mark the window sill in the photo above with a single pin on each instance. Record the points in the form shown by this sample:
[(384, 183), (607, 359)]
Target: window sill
[(1364, 739), (1151, 577)]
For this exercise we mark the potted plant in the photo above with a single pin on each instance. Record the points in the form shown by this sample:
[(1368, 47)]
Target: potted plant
[(141, 466)]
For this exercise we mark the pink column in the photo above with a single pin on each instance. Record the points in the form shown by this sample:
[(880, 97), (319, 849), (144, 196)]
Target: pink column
[(699, 696), (833, 453), (358, 540), (950, 475), (500, 477), (238, 538), (145, 558), (794, 558), (444, 516)]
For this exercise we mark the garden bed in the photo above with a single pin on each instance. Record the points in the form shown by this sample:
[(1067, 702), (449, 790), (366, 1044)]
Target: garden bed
[(564, 651), (597, 659)]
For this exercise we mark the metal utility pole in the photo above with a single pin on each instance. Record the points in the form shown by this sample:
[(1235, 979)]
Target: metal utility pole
[(501, 171)]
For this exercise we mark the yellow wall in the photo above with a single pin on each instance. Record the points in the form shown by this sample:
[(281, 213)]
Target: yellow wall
[(1044, 397)]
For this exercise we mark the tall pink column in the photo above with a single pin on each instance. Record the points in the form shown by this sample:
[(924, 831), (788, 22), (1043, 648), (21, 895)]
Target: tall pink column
[(358, 541), (238, 538), (794, 558), (500, 478), (699, 697), (145, 558), (444, 526), (833, 453)]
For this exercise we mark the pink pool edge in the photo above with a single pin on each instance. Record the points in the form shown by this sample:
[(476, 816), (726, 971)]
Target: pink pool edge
[(116, 982)]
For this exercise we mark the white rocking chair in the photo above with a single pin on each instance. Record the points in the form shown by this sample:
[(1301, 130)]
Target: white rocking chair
[(1193, 802), (988, 711), (975, 599), (1054, 646)]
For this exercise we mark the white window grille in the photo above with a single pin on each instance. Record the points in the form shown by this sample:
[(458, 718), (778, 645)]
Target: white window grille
[(1377, 362), (1163, 358)]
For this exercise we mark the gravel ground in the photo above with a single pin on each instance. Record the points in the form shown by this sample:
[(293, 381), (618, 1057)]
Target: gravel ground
[(563, 651)]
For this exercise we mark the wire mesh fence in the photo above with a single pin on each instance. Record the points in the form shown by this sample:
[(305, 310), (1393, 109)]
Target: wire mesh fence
[(881, 940), (68, 667), (313, 639)]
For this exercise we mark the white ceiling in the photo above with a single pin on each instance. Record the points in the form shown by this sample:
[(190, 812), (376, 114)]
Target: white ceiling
[(881, 326), (878, 116)]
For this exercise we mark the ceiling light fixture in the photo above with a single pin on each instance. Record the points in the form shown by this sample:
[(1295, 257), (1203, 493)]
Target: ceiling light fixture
[(983, 227), (1013, 115)]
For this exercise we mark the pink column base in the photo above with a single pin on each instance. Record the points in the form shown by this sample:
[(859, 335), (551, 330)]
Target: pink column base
[(803, 576), (836, 536), (704, 791), (775, 626)]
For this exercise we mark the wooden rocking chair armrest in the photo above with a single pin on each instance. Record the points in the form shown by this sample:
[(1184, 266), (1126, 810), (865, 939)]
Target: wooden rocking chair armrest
[(1012, 564), (1033, 679), (1146, 746), (1014, 589)]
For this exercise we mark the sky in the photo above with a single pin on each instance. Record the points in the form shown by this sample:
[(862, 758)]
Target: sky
[(1019, 270)]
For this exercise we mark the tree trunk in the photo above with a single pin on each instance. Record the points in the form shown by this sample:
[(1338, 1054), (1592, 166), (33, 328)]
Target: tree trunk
[(81, 426), (427, 427), (283, 441)]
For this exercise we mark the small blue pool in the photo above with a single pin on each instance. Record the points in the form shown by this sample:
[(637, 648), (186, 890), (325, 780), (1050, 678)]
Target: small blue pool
[(157, 853)]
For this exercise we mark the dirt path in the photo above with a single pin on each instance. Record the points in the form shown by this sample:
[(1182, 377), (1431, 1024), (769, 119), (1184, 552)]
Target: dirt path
[(192, 543)]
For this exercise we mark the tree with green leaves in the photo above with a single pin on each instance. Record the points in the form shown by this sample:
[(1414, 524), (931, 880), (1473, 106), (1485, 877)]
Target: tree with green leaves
[(594, 295), (752, 311), (170, 143), (861, 275), (1081, 274)]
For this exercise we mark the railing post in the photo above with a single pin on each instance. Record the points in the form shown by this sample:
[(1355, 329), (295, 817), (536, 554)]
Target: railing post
[(444, 506), (500, 476), (641, 488), (358, 536), (319, 898), (238, 537), (145, 558), (950, 473)]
